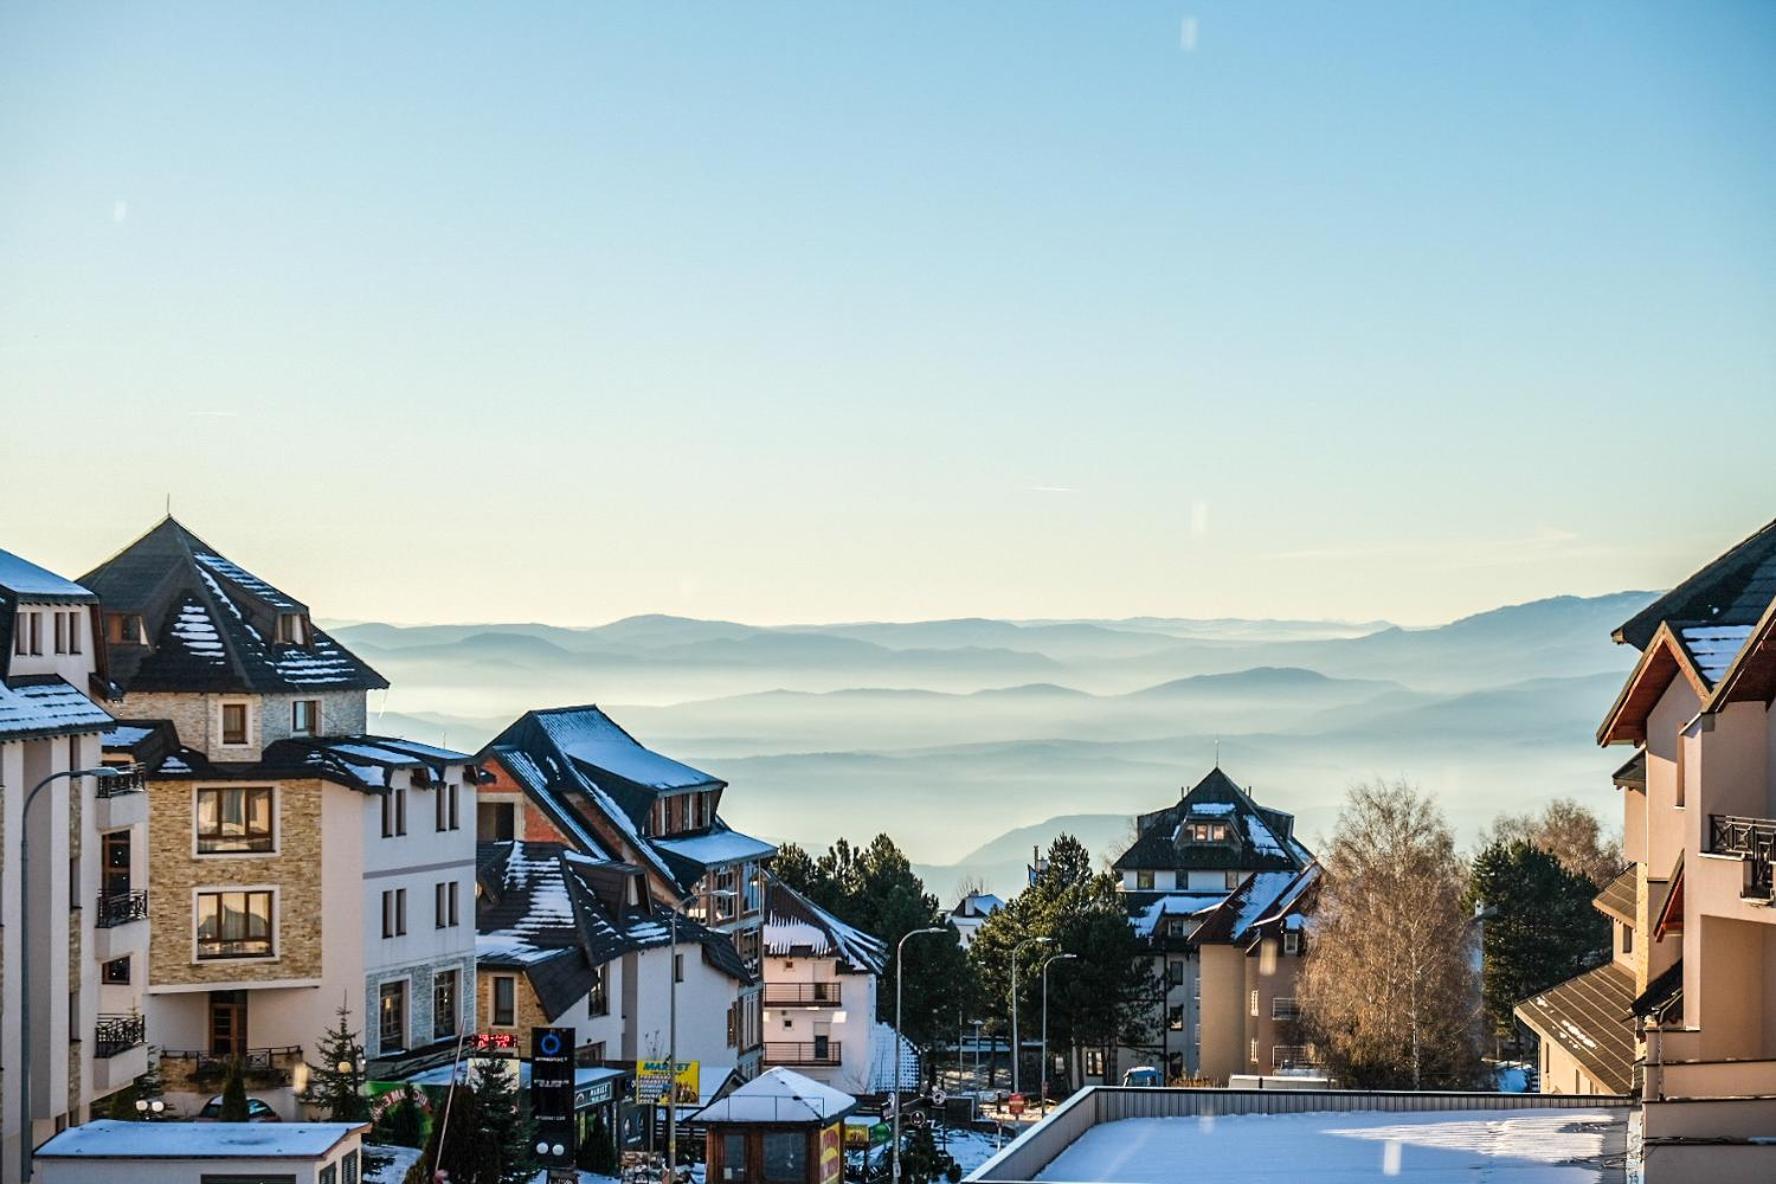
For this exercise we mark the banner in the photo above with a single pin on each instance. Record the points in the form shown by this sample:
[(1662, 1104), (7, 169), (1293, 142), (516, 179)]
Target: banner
[(651, 1078), (832, 1155)]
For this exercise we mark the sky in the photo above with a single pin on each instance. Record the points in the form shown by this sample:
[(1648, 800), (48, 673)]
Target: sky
[(810, 312)]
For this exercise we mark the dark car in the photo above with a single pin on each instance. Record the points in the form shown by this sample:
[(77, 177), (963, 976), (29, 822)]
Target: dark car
[(257, 1111)]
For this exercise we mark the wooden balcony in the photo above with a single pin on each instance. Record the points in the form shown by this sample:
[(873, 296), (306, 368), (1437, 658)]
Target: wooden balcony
[(791, 1052)]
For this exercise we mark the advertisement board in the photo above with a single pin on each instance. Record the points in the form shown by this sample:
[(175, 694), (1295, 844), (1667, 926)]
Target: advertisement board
[(552, 1095), (651, 1078)]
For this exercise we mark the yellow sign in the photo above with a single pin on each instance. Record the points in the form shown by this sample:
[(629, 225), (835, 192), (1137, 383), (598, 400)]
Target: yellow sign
[(832, 1155), (651, 1077)]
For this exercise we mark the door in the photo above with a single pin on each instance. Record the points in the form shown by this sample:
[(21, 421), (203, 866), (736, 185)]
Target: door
[(228, 1023)]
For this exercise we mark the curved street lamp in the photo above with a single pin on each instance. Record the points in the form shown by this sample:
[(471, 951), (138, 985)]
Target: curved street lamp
[(899, 966), (1015, 1050), (672, 1028), (1045, 965)]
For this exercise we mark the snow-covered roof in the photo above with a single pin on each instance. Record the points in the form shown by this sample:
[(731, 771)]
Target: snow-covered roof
[(885, 1046), (797, 927), (46, 705), (30, 583), (1714, 647), (1149, 916), (108, 1138), (779, 1097), (977, 904), (1255, 838), (718, 845), (589, 735)]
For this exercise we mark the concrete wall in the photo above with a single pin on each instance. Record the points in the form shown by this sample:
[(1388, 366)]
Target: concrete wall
[(1224, 1006)]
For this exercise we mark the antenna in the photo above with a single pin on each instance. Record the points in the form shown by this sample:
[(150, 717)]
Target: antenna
[(1217, 752)]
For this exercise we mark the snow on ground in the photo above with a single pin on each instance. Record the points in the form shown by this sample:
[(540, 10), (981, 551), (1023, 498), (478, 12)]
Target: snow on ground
[(395, 1172), (1455, 1147), (972, 1148)]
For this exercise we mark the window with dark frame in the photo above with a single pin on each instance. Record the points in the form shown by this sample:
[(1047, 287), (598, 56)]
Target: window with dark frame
[(117, 972), (305, 717), (597, 998), (444, 907), (394, 913), (505, 1001), (394, 812), (234, 924), (61, 633), (292, 629), (234, 820), (74, 633), (234, 724), (444, 1006), (1144, 880), (391, 1016)]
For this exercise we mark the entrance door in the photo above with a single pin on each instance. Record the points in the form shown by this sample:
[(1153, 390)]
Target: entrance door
[(228, 1023), (117, 864)]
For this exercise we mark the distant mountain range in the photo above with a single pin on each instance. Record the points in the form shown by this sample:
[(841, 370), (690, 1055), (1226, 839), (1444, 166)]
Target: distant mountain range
[(965, 738)]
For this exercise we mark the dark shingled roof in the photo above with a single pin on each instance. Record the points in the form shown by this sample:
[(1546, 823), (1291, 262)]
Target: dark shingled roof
[(1588, 1016), (37, 705), (558, 915), (1734, 589), (797, 927), (1262, 839), (1663, 996), (1632, 774), (356, 762), (1618, 898), (212, 625)]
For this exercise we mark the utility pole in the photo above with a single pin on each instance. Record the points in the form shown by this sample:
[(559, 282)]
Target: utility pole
[(1050, 962), (899, 975), (1015, 951)]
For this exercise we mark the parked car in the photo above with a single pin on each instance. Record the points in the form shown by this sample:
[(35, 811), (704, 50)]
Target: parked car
[(1145, 1075), (257, 1111)]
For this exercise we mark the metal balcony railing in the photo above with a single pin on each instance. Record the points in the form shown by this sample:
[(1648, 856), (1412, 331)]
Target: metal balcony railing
[(807, 1052), (120, 908), (1294, 1056), (260, 1064), (125, 780), (114, 1034), (802, 994), (1284, 1009), (1752, 840)]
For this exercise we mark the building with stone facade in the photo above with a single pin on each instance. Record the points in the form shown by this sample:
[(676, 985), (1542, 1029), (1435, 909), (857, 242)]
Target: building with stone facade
[(1217, 888), (1684, 1013), (88, 931), (573, 776), (299, 866)]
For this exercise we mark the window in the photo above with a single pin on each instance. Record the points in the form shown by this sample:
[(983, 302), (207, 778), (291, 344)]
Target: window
[(727, 907), (1174, 927), (394, 912), (733, 1147), (1627, 940), (447, 817), (1175, 1018), (678, 968), (292, 629), (505, 1001), (594, 1054), (495, 822), (1175, 972), (125, 629), (21, 640), (394, 812), (117, 972), (597, 998), (1253, 1008), (329, 1175), (1233, 880), (1144, 881), (61, 633), (74, 633), (234, 821), (444, 1005), (234, 723), (234, 924), (305, 717), (348, 1168), (786, 1157), (1291, 943), (444, 904), (391, 1015), (1252, 1050), (1094, 1062), (36, 633)]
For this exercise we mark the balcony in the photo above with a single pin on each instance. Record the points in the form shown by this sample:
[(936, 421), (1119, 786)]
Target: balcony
[(1294, 1056), (120, 908), (1753, 840), (1284, 1010), (263, 1068), (802, 994), (119, 802), (115, 1034), (115, 934), (809, 1052)]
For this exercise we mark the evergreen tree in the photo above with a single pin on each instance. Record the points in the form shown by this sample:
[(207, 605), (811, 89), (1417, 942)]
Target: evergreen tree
[(234, 1094), (339, 1093), (486, 1139), (122, 1104), (403, 1123), (598, 1150), (1540, 928)]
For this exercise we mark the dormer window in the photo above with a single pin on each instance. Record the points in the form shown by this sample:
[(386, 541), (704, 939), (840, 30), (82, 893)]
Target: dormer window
[(292, 629), (1205, 832), (126, 629)]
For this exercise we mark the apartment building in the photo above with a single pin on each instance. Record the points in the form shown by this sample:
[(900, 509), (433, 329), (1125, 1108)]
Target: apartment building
[(1217, 887), (572, 775), (821, 978), (88, 935), (299, 864), (1693, 976)]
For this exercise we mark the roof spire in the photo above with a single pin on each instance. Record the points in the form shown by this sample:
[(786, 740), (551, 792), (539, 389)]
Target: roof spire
[(1217, 752)]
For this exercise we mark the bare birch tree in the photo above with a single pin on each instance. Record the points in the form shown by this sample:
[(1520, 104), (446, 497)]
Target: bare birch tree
[(1390, 989)]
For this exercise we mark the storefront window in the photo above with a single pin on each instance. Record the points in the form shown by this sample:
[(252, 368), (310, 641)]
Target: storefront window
[(786, 1157)]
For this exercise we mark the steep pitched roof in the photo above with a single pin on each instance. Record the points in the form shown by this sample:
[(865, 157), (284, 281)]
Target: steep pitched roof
[(1261, 839), (1588, 1016), (356, 762), (577, 762), (797, 927), (23, 582), (212, 625), (558, 915), (1618, 898), (778, 1097), (32, 706), (1732, 590)]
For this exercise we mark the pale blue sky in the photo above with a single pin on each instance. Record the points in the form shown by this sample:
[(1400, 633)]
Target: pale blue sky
[(827, 311)]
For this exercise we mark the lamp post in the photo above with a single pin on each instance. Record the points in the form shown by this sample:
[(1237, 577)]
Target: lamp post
[(1015, 1049), (899, 967), (672, 1030), (109, 772), (1045, 965)]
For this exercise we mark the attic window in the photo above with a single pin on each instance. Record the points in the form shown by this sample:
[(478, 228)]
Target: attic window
[(126, 629), (292, 629), (1205, 832)]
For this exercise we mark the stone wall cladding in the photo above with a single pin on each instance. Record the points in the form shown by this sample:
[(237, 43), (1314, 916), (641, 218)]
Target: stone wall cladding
[(528, 1013), (420, 980), (190, 713), (174, 871)]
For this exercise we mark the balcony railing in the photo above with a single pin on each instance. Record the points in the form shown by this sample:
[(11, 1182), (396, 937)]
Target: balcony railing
[(802, 994), (1294, 1056), (114, 1034), (1752, 840), (778, 1052), (1284, 1009), (261, 1065), (125, 780), (120, 908)]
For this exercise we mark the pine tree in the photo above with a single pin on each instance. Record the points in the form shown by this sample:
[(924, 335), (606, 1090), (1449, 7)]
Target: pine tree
[(340, 1094), (1540, 928), (485, 1140), (403, 1123), (234, 1094), (598, 1150)]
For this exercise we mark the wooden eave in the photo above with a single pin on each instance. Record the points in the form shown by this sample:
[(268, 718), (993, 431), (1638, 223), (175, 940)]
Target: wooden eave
[(1663, 660), (1670, 918)]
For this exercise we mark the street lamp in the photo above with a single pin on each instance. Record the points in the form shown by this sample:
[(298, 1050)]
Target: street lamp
[(672, 1031), (899, 966), (1015, 1049), (1045, 965), (150, 1110), (109, 773)]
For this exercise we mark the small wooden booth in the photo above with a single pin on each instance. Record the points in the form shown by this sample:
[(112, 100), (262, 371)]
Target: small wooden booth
[(779, 1128)]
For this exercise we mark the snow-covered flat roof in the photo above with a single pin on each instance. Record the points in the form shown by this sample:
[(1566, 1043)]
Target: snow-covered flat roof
[(719, 845), (107, 1138), (1542, 1146)]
